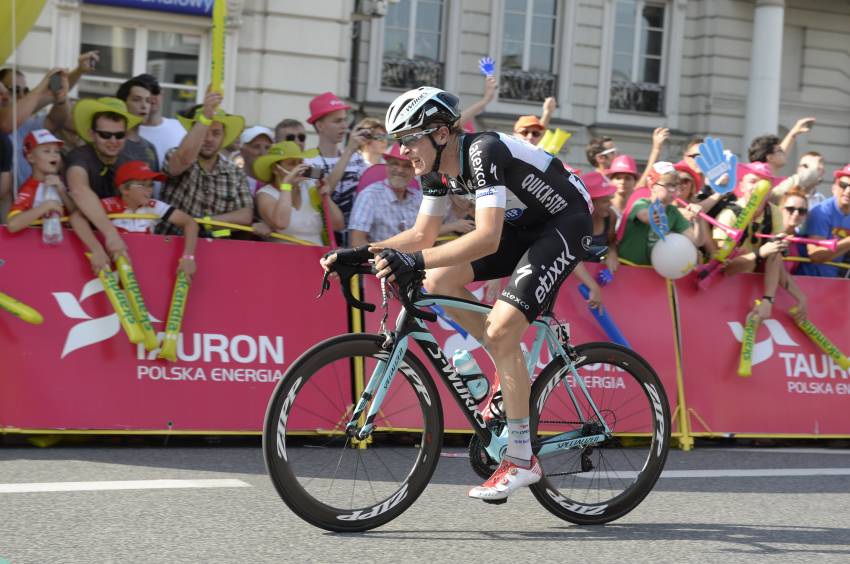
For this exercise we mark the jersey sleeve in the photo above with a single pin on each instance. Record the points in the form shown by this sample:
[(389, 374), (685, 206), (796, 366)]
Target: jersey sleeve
[(435, 195), (25, 198), (485, 156), (161, 209)]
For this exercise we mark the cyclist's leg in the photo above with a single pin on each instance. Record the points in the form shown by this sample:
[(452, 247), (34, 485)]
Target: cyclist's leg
[(555, 252), (451, 280)]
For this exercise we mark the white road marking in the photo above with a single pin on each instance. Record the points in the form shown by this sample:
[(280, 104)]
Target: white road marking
[(731, 473), (121, 485)]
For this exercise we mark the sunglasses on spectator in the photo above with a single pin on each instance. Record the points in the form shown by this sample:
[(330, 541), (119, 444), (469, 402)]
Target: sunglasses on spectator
[(106, 135), (292, 137), (21, 90), (408, 140), (792, 209), (843, 185), (532, 132)]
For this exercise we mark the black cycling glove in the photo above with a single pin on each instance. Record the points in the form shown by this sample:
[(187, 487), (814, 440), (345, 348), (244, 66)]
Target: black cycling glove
[(403, 264), (351, 257)]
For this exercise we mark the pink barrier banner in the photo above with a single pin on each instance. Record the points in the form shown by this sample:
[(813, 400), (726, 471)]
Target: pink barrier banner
[(795, 387), (646, 322), (251, 311)]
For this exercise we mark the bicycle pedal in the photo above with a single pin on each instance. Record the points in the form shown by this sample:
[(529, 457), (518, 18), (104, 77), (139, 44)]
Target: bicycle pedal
[(495, 501)]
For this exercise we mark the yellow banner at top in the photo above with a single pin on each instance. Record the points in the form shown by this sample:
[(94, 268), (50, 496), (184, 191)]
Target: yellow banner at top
[(25, 14)]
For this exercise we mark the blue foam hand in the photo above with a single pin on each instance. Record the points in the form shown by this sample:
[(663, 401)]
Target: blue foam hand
[(658, 219), (714, 163), (487, 66), (604, 277)]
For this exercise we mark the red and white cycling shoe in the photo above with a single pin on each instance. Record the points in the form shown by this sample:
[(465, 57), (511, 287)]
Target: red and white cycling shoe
[(507, 478)]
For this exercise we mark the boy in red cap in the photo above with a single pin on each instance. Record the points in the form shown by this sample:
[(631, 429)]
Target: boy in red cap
[(342, 169), (134, 180), (42, 152)]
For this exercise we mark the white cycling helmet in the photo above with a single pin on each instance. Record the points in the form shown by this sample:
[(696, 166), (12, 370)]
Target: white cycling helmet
[(421, 107)]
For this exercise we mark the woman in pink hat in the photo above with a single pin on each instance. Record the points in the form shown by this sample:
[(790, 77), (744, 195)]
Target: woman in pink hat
[(602, 191), (623, 175)]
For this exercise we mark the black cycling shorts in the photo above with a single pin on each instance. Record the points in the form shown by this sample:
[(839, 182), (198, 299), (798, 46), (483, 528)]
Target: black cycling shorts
[(538, 259)]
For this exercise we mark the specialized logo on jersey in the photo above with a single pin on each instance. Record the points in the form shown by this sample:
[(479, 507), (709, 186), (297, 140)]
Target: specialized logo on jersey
[(545, 194), (554, 274)]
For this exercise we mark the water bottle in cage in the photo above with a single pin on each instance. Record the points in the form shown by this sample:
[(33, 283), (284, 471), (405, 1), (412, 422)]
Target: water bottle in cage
[(471, 375), (51, 227)]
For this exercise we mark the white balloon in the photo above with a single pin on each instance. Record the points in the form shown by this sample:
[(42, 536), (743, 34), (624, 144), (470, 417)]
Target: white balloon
[(674, 257)]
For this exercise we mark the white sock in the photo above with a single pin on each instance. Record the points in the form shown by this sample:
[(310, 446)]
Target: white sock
[(519, 442)]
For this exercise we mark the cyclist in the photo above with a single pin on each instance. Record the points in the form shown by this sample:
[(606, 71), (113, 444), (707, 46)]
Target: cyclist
[(532, 223)]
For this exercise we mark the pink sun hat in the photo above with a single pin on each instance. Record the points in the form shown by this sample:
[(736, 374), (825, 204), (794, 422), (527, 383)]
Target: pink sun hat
[(598, 185), (395, 153), (623, 164), (323, 104)]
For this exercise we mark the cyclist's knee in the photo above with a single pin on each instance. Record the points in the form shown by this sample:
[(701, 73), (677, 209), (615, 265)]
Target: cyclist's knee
[(501, 336), (445, 279)]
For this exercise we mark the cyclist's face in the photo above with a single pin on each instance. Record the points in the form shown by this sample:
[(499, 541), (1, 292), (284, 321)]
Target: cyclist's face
[(419, 150)]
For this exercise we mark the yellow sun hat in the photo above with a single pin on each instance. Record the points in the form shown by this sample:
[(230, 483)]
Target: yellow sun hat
[(282, 151), (85, 110), (233, 124)]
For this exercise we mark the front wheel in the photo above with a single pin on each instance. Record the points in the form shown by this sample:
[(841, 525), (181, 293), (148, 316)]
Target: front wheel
[(329, 478), (599, 482)]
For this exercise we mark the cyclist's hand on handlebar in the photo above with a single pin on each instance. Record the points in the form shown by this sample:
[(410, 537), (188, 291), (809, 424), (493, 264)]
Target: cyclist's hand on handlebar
[(396, 264), (355, 256)]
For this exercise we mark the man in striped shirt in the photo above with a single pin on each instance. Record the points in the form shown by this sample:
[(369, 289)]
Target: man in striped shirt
[(387, 207)]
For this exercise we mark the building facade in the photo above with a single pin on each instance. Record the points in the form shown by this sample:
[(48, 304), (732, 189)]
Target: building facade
[(728, 68)]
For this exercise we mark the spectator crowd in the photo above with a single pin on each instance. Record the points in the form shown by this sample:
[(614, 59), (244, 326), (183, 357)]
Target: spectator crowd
[(113, 155)]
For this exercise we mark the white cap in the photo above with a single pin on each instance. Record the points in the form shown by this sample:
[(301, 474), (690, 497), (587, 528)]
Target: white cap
[(253, 132), (39, 137)]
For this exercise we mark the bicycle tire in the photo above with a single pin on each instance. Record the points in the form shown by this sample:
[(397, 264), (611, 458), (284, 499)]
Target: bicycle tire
[(292, 443), (635, 415)]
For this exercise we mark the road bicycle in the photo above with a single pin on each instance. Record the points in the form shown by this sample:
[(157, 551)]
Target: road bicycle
[(348, 453)]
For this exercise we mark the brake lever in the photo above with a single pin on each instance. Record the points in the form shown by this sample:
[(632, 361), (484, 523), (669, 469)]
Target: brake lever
[(326, 284)]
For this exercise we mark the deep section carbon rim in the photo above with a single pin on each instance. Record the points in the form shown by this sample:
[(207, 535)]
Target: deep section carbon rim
[(600, 481), (329, 478)]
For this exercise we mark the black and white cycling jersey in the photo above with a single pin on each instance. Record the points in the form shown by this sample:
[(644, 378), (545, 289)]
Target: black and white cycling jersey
[(498, 170)]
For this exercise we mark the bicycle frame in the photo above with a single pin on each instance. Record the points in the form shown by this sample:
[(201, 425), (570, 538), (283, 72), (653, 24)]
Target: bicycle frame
[(408, 327)]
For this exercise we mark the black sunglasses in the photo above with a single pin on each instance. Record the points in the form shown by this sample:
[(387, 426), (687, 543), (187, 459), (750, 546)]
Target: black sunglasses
[(843, 185), (292, 137), (792, 209), (110, 134)]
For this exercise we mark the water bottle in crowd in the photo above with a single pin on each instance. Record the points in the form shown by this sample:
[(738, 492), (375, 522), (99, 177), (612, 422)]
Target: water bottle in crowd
[(51, 228), (471, 375)]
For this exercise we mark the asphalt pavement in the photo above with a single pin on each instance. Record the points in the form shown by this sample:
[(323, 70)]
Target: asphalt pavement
[(205, 502)]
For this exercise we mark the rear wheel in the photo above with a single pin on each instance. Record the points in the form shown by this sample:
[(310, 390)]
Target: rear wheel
[(335, 481), (601, 482)]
